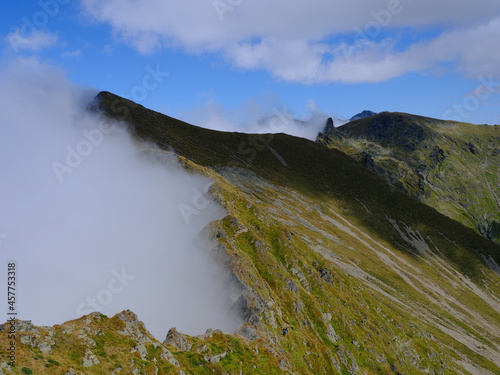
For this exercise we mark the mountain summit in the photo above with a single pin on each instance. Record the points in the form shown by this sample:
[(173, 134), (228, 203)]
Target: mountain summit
[(363, 114)]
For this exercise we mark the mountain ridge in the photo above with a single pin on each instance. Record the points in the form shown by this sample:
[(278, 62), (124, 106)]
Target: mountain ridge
[(369, 280), (446, 164)]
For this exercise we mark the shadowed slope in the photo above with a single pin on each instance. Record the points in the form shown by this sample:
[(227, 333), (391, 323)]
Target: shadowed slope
[(452, 166)]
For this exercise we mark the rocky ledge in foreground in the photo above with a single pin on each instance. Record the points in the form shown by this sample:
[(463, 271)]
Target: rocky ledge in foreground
[(96, 344)]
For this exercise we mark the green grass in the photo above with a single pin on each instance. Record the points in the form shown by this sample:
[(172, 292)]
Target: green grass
[(53, 362)]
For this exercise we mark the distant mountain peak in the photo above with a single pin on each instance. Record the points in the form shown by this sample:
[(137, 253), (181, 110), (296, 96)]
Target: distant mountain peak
[(365, 113), (328, 131)]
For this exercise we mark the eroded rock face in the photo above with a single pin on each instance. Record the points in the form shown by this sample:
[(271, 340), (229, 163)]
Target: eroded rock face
[(251, 307), (177, 339), (166, 355), (133, 327), (251, 302)]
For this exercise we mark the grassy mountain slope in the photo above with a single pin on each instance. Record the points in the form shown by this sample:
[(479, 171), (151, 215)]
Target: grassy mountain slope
[(452, 166), (370, 280)]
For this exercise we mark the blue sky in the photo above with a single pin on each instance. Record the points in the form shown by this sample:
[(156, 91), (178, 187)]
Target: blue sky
[(231, 61)]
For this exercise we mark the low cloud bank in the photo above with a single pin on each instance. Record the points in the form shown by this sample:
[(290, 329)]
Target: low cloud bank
[(93, 225), (266, 115)]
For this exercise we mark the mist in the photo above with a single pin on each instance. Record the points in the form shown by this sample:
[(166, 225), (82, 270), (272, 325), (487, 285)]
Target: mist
[(92, 224), (262, 116)]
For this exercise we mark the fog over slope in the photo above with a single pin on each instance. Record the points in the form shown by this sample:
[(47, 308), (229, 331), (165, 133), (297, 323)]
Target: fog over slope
[(91, 225), (264, 115)]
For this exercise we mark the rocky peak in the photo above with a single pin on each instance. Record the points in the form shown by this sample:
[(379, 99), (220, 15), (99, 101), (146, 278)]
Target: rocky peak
[(329, 131), (364, 114), (330, 127), (388, 128), (133, 327)]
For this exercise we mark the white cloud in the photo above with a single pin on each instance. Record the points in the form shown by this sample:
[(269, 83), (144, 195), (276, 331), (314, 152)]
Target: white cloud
[(115, 212), (17, 40), (261, 116), (71, 54), (474, 50), (299, 41)]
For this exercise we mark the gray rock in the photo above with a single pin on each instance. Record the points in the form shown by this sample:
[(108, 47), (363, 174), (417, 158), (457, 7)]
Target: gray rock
[(297, 307), (290, 285), (331, 334), (25, 326), (92, 316), (251, 306), (141, 349), (215, 358), (90, 359), (87, 340), (354, 368), (260, 247), (133, 327), (271, 319), (301, 277), (248, 331), (46, 347), (283, 364), (326, 275), (167, 356), (248, 303), (327, 317), (34, 340), (177, 339)]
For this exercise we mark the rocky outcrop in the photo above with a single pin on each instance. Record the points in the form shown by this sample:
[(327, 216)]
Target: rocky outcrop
[(134, 328), (31, 335), (325, 275), (436, 156), (177, 339), (330, 127), (329, 132), (363, 114), (90, 359), (252, 302), (248, 331)]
